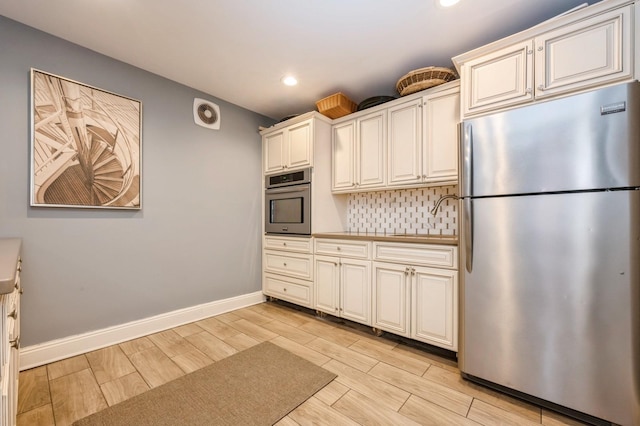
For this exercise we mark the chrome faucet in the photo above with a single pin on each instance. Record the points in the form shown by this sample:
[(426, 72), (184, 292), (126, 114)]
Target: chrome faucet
[(444, 197)]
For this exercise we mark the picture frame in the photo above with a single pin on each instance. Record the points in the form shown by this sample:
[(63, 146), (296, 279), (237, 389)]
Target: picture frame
[(86, 145)]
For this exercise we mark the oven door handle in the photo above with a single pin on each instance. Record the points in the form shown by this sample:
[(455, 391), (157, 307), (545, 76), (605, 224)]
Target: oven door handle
[(287, 189)]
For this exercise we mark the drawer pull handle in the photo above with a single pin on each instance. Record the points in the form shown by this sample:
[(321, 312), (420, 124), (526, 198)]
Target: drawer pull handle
[(284, 244), (284, 264), (15, 343), (285, 289), (338, 248), (13, 314)]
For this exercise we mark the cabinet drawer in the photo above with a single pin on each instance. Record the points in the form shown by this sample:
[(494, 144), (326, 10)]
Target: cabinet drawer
[(417, 254), (289, 289), (343, 248), (292, 264), (297, 244)]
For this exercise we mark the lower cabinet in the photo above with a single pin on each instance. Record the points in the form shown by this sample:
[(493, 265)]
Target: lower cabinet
[(392, 292), (287, 264), (343, 288), (416, 301), (10, 330), (434, 307), (343, 278), (408, 289)]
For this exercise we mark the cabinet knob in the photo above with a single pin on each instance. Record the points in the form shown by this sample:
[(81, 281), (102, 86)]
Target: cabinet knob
[(529, 52), (284, 244), (284, 264), (338, 248), (528, 90), (541, 87), (13, 314), (284, 289), (540, 48), (15, 343)]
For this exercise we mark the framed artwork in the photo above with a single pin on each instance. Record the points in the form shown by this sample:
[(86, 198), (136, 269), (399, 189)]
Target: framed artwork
[(86, 149)]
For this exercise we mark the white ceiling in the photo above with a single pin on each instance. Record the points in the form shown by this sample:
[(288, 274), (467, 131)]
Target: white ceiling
[(238, 50)]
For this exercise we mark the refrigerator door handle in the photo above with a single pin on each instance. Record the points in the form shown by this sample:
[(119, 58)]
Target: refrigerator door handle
[(467, 226), (466, 160)]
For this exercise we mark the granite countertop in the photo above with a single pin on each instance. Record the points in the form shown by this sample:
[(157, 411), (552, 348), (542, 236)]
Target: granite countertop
[(9, 255), (449, 240)]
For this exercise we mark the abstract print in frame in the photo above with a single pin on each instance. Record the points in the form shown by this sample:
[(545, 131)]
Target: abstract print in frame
[(86, 145)]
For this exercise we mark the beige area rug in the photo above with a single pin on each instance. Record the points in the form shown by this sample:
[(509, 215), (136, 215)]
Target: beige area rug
[(257, 386)]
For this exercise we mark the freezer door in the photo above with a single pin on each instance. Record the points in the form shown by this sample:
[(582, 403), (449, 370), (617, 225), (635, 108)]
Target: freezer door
[(550, 300), (586, 141)]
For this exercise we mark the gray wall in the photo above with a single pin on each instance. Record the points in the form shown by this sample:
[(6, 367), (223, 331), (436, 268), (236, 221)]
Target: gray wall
[(197, 237)]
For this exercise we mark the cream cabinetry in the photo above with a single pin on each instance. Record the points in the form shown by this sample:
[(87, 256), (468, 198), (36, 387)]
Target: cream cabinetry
[(415, 292), (288, 269), (358, 147), (290, 147), (412, 141), (10, 269), (423, 139), (343, 279), (579, 51), (499, 79)]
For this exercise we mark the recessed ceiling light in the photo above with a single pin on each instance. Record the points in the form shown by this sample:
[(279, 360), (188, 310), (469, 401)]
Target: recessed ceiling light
[(447, 3), (289, 80)]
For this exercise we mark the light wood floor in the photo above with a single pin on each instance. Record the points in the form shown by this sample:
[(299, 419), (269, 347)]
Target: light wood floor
[(380, 382)]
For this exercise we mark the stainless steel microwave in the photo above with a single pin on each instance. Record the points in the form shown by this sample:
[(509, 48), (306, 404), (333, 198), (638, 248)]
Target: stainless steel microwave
[(288, 203)]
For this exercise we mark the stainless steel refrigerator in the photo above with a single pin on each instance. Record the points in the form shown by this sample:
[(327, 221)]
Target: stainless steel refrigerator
[(550, 253)]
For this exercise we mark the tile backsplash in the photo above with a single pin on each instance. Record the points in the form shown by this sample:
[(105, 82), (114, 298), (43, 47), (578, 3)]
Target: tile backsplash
[(404, 211)]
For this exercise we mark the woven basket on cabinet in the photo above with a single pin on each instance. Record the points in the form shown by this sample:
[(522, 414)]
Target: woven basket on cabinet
[(423, 78), (336, 106)]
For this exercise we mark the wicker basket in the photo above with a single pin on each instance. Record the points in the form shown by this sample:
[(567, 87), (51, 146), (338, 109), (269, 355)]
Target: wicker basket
[(336, 106), (423, 78)]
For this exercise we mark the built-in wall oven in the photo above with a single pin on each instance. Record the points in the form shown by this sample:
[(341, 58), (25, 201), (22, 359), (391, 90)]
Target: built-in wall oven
[(288, 203)]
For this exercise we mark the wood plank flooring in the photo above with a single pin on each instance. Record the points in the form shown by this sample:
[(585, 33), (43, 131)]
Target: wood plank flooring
[(380, 381)]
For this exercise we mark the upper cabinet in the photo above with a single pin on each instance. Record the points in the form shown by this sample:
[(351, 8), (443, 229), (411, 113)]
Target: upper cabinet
[(578, 51), (501, 78), (289, 148), (423, 139), (587, 53), (358, 147), (412, 141)]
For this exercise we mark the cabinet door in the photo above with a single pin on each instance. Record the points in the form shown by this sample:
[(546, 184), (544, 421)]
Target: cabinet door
[(273, 146), (588, 53), (434, 310), (355, 290), (405, 140), (440, 150), (391, 298), (343, 151), (327, 284), (300, 145), (371, 147), (498, 79)]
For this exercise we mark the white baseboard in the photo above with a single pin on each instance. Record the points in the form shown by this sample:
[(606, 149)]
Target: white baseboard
[(54, 350)]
